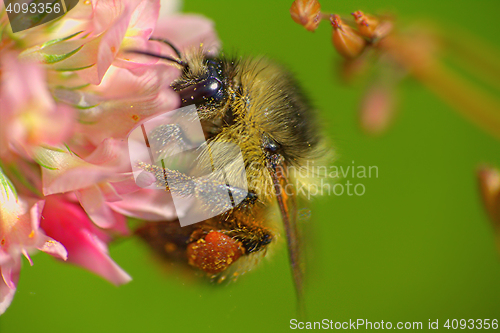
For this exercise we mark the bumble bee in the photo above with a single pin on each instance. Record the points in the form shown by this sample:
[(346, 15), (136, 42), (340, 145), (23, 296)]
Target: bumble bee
[(258, 106)]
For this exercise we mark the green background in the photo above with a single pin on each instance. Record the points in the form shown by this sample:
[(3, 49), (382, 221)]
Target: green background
[(416, 246)]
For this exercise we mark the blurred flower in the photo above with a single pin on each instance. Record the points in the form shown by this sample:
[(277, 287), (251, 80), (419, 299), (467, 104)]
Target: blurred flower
[(69, 95), (187, 31), (306, 13), (372, 45), (369, 26), (114, 26), (346, 40), (377, 109), (30, 116), (122, 100), (132, 23), (19, 235), (489, 186), (372, 41)]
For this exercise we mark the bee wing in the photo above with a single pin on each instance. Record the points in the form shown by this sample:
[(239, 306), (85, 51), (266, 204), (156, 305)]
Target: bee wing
[(209, 192), (211, 175)]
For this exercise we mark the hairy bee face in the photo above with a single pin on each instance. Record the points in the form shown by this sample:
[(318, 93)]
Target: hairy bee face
[(257, 105)]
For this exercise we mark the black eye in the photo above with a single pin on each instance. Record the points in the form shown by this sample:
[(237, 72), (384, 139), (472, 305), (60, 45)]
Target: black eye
[(210, 89), (207, 90), (270, 145)]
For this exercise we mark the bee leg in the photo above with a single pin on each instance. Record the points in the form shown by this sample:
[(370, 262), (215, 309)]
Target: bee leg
[(212, 246), (214, 252), (202, 247), (222, 240)]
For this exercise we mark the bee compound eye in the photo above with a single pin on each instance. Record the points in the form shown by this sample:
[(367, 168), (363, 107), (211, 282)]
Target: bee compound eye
[(270, 144), (209, 90)]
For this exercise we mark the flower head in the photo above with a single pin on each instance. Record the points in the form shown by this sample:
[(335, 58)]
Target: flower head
[(19, 235), (306, 13), (69, 95), (347, 41), (367, 24)]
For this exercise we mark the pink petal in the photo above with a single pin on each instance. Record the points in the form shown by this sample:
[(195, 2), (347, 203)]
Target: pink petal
[(36, 213), (8, 285), (58, 125), (152, 205), (63, 172), (90, 255), (109, 192), (186, 31), (135, 20), (52, 247), (112, 21), (4, 257), (169, 7), (27, 256), (21, 82), (131, 60), (105, 13), (7, 277), (93, 202), (85, 243), (129, 100), (23, 217), (128, 185), (145, 15), (141, 25), (72, 180), (29, 113), (110, 153), (56, 181), (110, 43)]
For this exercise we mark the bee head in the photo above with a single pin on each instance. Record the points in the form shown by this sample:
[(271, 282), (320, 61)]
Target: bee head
[(202, 81)]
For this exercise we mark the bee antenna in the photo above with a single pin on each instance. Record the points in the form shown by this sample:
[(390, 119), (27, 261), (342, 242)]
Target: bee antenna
[(177, 61), (164, 41)]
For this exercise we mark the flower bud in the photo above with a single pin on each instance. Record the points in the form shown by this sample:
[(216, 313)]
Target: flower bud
[(346, 40), (377, 109), (306, 13), (367, 24), (489, 185)]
